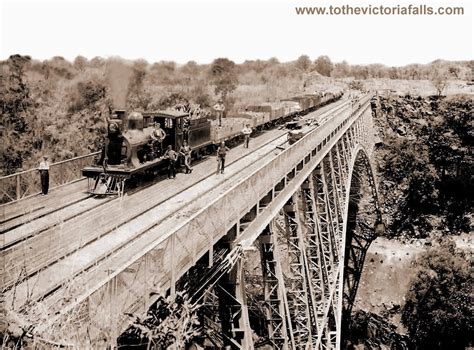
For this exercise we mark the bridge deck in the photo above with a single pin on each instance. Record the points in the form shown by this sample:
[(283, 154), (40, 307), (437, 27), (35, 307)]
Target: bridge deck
[(76, 238), (15, 214)]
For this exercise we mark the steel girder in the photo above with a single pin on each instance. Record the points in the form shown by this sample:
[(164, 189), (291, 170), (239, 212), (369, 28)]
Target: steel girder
[(174, 253), (276, 305), (233, 309), (297, 288)]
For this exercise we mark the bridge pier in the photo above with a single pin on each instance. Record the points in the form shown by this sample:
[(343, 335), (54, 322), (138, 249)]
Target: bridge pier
[(294, 203), (274, 291), (297, 287)]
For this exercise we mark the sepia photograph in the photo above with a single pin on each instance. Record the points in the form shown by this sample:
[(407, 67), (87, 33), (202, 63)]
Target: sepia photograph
[(256, 175)]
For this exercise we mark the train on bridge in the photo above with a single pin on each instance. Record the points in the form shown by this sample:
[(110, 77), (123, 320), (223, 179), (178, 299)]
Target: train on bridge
[(131, 150)]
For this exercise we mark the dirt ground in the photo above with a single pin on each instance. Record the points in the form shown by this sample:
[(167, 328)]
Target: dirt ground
[(418, 87), (389, 268)]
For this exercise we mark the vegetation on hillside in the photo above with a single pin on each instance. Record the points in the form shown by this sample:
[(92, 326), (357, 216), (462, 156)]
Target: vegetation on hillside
[(425, 164), (171, 322), (59, 107), (438, 308), (369, 330)]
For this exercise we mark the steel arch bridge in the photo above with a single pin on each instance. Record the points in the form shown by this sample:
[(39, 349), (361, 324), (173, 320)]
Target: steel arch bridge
[(308, 213), (326, 242)]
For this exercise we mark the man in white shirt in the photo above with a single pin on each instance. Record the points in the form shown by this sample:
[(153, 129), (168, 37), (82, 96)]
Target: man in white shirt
[(44, 174), (219, 107), (246, 131), (158, 135)]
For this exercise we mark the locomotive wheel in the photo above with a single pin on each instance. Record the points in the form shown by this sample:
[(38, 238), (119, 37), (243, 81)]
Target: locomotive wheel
[(105, 184)]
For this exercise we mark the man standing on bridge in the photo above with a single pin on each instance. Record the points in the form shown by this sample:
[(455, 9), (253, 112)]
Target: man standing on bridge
[(44, 174), (185, 151), (219, 107), (221, 153), (172, 156), (246, 131), (158, 135)]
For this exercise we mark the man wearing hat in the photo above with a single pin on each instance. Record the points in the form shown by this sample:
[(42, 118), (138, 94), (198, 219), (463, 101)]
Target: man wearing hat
[(44, 174)]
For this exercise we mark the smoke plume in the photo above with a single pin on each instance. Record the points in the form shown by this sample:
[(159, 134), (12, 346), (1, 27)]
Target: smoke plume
[(119, 74)]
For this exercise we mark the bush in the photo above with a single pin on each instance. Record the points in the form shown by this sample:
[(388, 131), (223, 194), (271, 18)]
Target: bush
[(356, 85), (11, 160), (437, 311), (171, 321), (85, 94)]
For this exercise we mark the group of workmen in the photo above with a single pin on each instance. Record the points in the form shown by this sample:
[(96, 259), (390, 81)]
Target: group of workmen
[(172, 156), (158, 135)]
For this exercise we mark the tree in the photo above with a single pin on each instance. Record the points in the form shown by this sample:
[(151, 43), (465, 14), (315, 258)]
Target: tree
[(223, 76), (377, 70), (86, 93), (341, 70), (324, 66), (80, 63), (15, 94), (191, 69), (439, 79), (422, 194), (356, 85), (412, 71), (360, 72), (303, 63), (60, 67), (273, 61), (437, 310), (393, 73), (454, 71), (15, 108)]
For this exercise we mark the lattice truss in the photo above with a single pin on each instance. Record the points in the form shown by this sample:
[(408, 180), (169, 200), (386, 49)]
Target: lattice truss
[(313, 224), (309, 268)]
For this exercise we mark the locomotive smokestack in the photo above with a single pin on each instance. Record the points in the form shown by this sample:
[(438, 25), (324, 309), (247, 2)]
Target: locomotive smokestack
[(119, 114)]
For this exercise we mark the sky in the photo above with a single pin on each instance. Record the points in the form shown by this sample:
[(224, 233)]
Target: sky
[(184, 30)]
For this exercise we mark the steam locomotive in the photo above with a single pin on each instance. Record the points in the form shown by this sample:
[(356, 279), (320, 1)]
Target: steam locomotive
[(129, 149)]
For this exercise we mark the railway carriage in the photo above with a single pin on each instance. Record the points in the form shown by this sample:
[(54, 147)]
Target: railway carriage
[(129, 150)]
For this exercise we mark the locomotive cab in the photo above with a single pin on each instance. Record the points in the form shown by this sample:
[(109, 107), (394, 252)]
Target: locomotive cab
[(172, 122)]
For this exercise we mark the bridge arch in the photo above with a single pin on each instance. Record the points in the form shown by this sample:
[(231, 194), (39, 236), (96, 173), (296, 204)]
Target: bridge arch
[(363, 223), (300, 196)]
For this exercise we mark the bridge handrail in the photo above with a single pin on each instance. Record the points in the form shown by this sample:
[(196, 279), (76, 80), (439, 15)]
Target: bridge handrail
[(210, 222), (26, 183), (52, 165)]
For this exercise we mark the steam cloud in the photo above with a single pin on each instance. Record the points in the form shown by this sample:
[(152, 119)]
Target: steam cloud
[(119, 74)]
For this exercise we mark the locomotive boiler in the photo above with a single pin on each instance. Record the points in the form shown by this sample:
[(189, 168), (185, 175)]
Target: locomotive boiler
[(130, 150)]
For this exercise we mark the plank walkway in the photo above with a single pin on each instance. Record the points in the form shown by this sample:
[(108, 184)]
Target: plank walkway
[(99, 232), (16, 213), (95, 230)]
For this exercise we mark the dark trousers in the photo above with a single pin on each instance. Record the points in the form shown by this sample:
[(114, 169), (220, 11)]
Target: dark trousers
[(44, 174), (246, 141), (221, 164), (158, 148), (171, 169)]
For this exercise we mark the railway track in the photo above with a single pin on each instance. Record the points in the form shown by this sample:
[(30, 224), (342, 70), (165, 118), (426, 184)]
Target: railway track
[(30, 266), (127, 260), (25, 219)]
